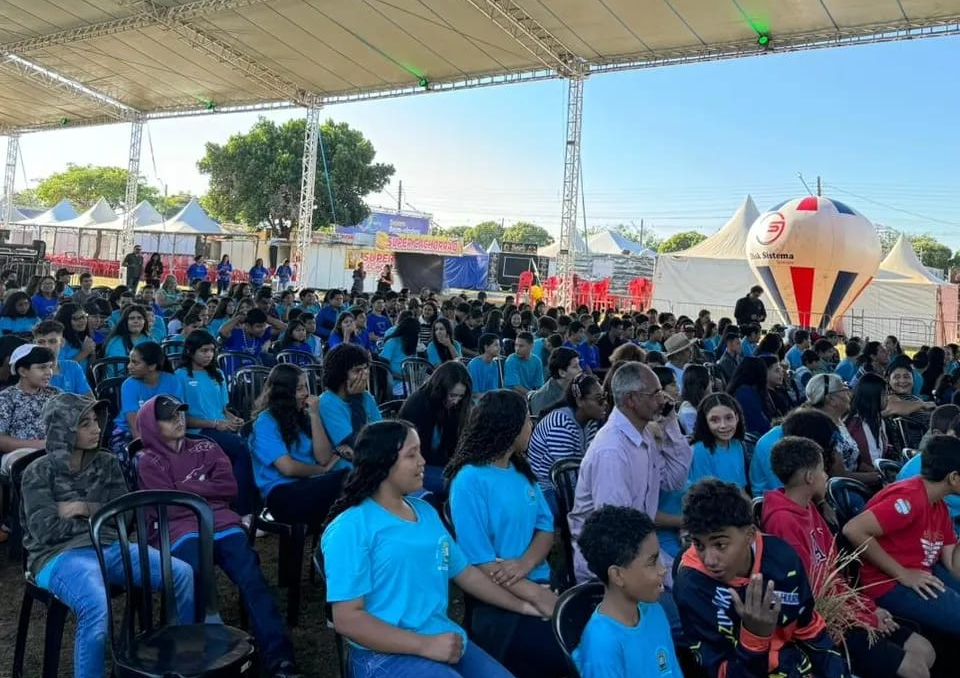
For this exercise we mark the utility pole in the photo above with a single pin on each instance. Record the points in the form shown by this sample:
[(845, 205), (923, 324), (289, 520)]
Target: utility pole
[(819, 187), (400, 196), (641, 234)]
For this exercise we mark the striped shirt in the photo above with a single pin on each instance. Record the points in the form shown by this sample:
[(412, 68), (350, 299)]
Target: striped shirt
[(557, 436)]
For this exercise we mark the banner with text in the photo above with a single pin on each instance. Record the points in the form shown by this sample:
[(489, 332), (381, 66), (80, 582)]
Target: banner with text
[(393, 223), (419, 244), (373, 260)]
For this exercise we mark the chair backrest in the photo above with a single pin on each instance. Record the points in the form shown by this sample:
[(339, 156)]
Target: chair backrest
[(17, 469), (231, 361), (415, 372), (910, 431), (570, 616), (135, 512), (297, 357), (501, 360), (314, 374), (758, 511), (109, 390), (390, 409), (847, 496), (563, 476), (888, 470), (109, 368), (380, 381), (908, 453), (246, 387), (172, 347)]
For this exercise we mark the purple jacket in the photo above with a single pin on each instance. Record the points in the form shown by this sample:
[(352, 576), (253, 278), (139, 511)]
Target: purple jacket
[(200, 466)]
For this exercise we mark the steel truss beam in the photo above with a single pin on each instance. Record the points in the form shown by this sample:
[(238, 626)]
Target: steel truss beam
[(571, 191), (133, 180), (308, 182), (9, 175)]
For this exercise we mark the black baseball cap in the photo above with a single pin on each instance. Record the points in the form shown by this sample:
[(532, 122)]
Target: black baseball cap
[(167, 407)]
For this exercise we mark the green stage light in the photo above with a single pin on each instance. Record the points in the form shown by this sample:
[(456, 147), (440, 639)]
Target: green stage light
[(423, 82), (64, 122), (763, 40)]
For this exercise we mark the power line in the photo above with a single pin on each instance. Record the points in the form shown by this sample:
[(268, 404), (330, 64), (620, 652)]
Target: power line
[(893, 208)]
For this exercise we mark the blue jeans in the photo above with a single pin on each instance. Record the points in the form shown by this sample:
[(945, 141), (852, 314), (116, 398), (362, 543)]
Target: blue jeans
[(475, 663), (941, 613), (239, 561), (234, 447), (76, 580)]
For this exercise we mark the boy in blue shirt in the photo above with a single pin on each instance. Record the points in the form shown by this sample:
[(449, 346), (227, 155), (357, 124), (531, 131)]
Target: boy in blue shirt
[(628, 635), (484, 369), (751, 337), (377, 321), (523, 372), (589, 351), (575, 336), (68, 376)]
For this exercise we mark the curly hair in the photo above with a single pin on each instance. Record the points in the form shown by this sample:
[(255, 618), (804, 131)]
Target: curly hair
[(701, 429), (375, 452), (338, 362), (193, 343), (612, 535), (711, 505), (493, 426), (792, 454), (279, 400)]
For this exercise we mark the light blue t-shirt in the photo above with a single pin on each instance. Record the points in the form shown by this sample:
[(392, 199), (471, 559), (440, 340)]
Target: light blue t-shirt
[(20, 325), (795, 357), (762, 478), (392, 352), (68, 352), (116, 349), (846, 369), (519, 372), (485, 376), (726, 463), (912, 469), (540, 350), (433, 355), (335, 415), (70, 378), (266, 446), (496, 512), (400, 568), (203, 395), (135, 392), (608, 649)]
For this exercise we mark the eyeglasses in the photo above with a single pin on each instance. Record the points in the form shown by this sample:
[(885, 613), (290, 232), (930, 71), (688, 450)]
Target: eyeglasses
[(649, 393)]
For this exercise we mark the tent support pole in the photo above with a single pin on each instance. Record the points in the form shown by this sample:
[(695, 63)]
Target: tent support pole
[(9, 175), (571, 184), (133, 179), (308, 182)]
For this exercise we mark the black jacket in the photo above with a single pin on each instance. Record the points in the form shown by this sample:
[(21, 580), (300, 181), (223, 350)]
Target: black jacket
[(425, 416), (749, 310)]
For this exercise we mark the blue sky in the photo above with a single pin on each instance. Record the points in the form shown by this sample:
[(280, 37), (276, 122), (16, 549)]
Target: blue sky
[(678, 147)]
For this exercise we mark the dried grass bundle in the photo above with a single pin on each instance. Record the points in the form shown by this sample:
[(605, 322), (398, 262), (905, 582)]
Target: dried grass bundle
[(842, 606)]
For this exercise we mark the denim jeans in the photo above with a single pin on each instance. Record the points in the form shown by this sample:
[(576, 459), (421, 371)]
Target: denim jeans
[(941, 613), (239, 561), (76, 580), (234, 447), (475, 663)]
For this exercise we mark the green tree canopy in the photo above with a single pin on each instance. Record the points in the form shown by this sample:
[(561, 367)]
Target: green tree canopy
[(525, 232), (484, 233), (83, 185), (681, 241), (255, 176), (931, 251)]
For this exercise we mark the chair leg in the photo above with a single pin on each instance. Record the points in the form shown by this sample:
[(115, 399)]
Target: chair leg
[(53, 638), (295, 574), (341, 655), (23, 627)]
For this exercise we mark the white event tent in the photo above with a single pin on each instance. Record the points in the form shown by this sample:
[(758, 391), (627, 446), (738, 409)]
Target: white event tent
[(712, 274), (178, 234), (906, 300), (611, 242)]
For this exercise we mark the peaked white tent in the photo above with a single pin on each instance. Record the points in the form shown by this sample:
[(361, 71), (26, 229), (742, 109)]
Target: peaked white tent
[(611, 242), (579, 246), (712, 274), (33, 228), (81, 235), (906, 300), (191, 220), (62, 211), (99, 213), (16, 215), (494, 247)]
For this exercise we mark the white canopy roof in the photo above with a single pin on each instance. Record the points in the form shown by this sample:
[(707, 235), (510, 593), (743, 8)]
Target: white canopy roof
[(62, 211), (903, 265), (99, 213), (552, 250), (730, 242), (494, 247), (191, 220), (611, 242), (15, 216)]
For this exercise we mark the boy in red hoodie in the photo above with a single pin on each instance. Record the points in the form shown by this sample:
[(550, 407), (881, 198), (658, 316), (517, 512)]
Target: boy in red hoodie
[(171, 461), (791, 514)]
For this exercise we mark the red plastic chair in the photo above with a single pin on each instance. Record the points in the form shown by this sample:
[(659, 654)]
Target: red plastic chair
[(600, 295), (524, 284)]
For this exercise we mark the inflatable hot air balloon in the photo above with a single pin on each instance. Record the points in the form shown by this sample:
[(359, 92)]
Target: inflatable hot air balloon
[(813, 256)]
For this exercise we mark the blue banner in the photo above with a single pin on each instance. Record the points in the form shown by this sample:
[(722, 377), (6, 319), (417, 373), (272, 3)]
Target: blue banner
[(392, 223)]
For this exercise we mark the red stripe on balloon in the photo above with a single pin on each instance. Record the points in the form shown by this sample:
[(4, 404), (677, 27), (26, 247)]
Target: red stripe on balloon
[(803, 291), (808, 204)]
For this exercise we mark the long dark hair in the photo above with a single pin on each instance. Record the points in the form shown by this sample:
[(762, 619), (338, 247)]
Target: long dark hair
[(122, 330), (408, 333), (751, 372), (936, 360), (701, 429), (152, 354), (9, 309), (193, 343), (696, 383), (438, 387), (493, 426), (866, 400), (65, 317), (494, 323), (375, 452), (288, 339), (279, 400), (442, 351)]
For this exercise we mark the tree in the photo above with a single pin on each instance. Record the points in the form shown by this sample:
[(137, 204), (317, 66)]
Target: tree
[(681, 241), (525, 232), (888, 238), (172, 204), (452, 232), (28, 198), (255, 177), (83, 185), (931, 251), (485, 233)]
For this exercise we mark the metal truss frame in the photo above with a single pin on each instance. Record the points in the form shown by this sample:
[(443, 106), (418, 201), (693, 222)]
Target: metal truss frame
[(308, 182), (571, 191), (9, 177), (133, 180)]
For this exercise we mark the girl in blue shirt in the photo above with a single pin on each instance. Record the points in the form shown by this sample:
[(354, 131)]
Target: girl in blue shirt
[(77, 344), (18, 315), (294, 465), (259, 274), (45, 300), (346, 405), (284, 274), (443, 347), (295, 339), (484, 369), (718, 450), (402, 344), (505, 527), (130, 331), (205, 394), (344, 331), (149, 375), (224, 272), (388, 561)]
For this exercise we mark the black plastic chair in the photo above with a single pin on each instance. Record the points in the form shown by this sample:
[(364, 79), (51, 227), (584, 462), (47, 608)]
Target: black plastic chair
[(908, 453), (246, 387), (380, 381), (888, 470), (110, 390), (172, 347), (290, 548), (230, 362), (328, 613), (570, 616), (391, 409), (847, 496), (757, 505), (501, 361), (57, 612), (563, 476), (909, 431), (300, 358), (314, 374), (416, 372), (109, 368), (160, 648)]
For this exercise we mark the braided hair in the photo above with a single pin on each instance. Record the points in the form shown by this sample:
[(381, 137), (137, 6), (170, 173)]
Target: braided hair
[(495, 423), (374, 454)]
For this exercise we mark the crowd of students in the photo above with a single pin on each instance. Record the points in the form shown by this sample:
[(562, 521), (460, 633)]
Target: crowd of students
[(676, 422)]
